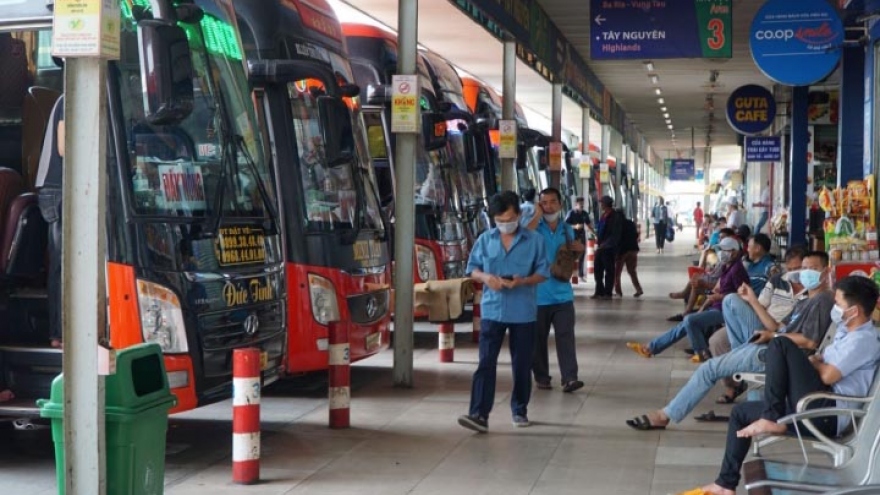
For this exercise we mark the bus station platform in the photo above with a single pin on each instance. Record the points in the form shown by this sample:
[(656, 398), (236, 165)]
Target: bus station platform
[(407, 441)]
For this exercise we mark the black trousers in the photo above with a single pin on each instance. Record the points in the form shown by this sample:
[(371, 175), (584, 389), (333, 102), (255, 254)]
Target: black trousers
[(582, 237), (660, 234), (789, 377), (561, 317), (603, 271)]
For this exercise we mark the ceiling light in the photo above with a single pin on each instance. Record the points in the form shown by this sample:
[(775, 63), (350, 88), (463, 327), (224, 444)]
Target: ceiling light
[(669, 126), (658, 91), (649, 66), (663, 109), (661, 101), (655, 79), (666, 115), (668, 121)]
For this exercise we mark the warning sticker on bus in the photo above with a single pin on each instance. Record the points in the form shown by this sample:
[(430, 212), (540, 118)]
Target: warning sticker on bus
[(182, 187), (240, 244)]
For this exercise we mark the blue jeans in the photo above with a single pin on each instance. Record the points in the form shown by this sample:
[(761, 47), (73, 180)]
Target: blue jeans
[(744, 358), (522, 343), (740, 319), (697, 326), (765, 215)]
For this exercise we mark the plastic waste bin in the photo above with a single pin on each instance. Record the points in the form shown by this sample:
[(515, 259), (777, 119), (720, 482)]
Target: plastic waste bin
[(136, 411)]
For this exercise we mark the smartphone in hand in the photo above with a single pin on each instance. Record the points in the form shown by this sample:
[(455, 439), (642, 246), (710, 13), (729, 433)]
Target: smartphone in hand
[(755, 337), (507, 277)]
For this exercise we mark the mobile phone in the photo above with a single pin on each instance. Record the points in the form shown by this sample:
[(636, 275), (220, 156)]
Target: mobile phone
[(507, 277), (755, 338)]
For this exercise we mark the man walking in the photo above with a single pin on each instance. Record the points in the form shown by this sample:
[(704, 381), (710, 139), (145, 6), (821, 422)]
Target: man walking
[(510, 262), (610, 229), (579, 220), (555, 301), (628, 256), (660, 219)]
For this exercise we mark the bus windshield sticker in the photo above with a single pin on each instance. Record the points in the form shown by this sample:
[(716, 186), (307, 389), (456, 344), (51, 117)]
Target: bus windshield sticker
[(182, 187), (239, 245)]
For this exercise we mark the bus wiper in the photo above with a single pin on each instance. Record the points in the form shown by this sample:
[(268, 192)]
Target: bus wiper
[(261, 185), (356, 223), (218, 203)]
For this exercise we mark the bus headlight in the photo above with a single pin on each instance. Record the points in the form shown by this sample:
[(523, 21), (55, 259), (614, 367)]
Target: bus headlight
[(426, 263), (323, 296), (161, 317)]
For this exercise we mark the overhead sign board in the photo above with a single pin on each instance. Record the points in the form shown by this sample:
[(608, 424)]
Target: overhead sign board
[(763, 149), (652, 29), (796, 42), (405, 104), (507, 138), (681, 169), (751, 109), (86, 28)]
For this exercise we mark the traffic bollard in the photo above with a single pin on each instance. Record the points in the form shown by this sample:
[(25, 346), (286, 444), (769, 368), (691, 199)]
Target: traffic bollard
[(339, 376), (447, 342), (246, 416), (591, 256)]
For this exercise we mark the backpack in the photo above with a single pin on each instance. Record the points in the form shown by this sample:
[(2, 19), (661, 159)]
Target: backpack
[(670, 232)]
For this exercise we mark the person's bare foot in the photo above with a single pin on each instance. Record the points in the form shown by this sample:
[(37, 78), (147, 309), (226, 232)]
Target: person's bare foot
[(658, 418), (762, 427), (56, 344), (6, 395)]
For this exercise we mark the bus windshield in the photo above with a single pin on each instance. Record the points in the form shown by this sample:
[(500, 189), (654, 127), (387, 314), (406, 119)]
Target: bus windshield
[(177, 170)]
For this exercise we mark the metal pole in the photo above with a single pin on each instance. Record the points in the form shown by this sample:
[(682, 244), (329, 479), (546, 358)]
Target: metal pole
[(83, 286), (585, 132), (404, 209), (556, 127), (508, 110)]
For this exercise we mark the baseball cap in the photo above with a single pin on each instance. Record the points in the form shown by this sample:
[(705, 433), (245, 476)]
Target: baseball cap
[(728, 244)]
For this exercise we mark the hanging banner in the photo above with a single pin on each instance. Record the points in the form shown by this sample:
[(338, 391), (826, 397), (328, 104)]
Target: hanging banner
[(507, 138), (681, 169), (796, 42), (555, 164), (751, 109), (405, 104)]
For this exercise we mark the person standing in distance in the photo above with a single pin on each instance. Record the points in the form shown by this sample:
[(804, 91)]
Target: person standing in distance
[(660, 219), (763, 208), (610, 227), (527, 208), (510, 262), (555, 300), (579, 220), (698, 219)]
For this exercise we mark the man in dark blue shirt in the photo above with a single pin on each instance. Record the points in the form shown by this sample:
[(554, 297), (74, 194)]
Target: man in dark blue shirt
[(510, 262)]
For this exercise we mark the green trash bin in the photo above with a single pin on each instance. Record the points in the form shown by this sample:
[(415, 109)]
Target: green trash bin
[(136, 412)]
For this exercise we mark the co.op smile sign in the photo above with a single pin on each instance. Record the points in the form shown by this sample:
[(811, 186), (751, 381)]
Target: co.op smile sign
[(796, 42)]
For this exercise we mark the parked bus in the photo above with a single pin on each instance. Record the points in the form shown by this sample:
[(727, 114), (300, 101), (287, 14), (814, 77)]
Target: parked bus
[(193, 259), (440, 239), (334, 242)]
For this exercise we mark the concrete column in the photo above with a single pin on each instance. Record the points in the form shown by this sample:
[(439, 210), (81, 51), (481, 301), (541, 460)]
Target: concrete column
[(851, 130), (508, 110), (556, 127), (83, 282), (585, 133), (404, 208), (797, 186)]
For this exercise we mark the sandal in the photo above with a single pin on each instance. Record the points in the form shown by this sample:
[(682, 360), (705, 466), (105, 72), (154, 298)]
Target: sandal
[(737, 391), (639, 349), (695, 491), (642, 423), (711, 417), (676, 318), (700, 357), (572, 386)]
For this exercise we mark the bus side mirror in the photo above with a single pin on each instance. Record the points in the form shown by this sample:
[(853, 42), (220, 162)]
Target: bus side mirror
[(167, 72), (433, 130), (336, 130), (475, 154)]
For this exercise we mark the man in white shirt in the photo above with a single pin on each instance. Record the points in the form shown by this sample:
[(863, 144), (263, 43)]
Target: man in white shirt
[(763, 208), (734, 216)]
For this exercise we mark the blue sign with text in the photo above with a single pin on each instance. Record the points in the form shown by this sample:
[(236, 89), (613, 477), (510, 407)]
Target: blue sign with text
[(650, 29), (751, 109), (796, 42), (681, 169), (764, 149)]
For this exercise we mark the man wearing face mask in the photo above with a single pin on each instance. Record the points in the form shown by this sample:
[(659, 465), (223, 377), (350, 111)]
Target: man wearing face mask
[(610, 229), (846, 367), (805, 326), (510, 262), (555, 301)]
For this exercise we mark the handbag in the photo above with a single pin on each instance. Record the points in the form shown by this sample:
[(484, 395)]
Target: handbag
[(566, 259), (670, 233)]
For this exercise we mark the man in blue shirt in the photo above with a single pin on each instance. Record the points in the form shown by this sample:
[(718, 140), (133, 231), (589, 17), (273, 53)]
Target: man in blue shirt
[(758, 261), (555, 300), (510, 262)]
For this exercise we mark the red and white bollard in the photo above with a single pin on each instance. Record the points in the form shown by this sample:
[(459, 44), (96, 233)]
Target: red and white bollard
[(574, 276), (340, 375), (246, 391), (446, 338), (478, 313), (639, 231), (591, 256)]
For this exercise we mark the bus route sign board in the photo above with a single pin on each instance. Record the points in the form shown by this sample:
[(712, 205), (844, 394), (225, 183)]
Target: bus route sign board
[(763, 149), (507, 139), (681, 169), (651, 29), (86, 28), (405, 104)]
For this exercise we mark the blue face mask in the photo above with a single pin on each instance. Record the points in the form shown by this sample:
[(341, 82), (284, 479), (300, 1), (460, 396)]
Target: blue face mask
[(810, 279)]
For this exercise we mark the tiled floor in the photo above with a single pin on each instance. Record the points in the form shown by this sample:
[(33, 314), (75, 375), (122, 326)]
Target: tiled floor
[(407, 440)]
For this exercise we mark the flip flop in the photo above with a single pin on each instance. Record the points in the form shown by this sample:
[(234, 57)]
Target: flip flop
[(711, 417), (739, 390), (695, 491), (639, 349), (642, 423)]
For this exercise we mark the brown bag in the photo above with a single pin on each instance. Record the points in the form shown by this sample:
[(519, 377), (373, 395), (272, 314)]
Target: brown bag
[(566, 258)]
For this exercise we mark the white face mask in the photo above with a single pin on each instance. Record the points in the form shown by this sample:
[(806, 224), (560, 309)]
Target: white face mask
[(725, 256), (837, 315), (507, 227), (551, 217)]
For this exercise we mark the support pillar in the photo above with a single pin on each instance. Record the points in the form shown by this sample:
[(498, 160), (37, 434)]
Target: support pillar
[(851, 129), (604, 153), (585, 133), (798, 171), (556, 128), (404, 208), (508, 111)]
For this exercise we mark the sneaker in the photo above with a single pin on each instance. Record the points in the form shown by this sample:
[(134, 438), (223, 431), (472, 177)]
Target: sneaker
[(475, 423), (521, 421), (572, 386), (676, 318)]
